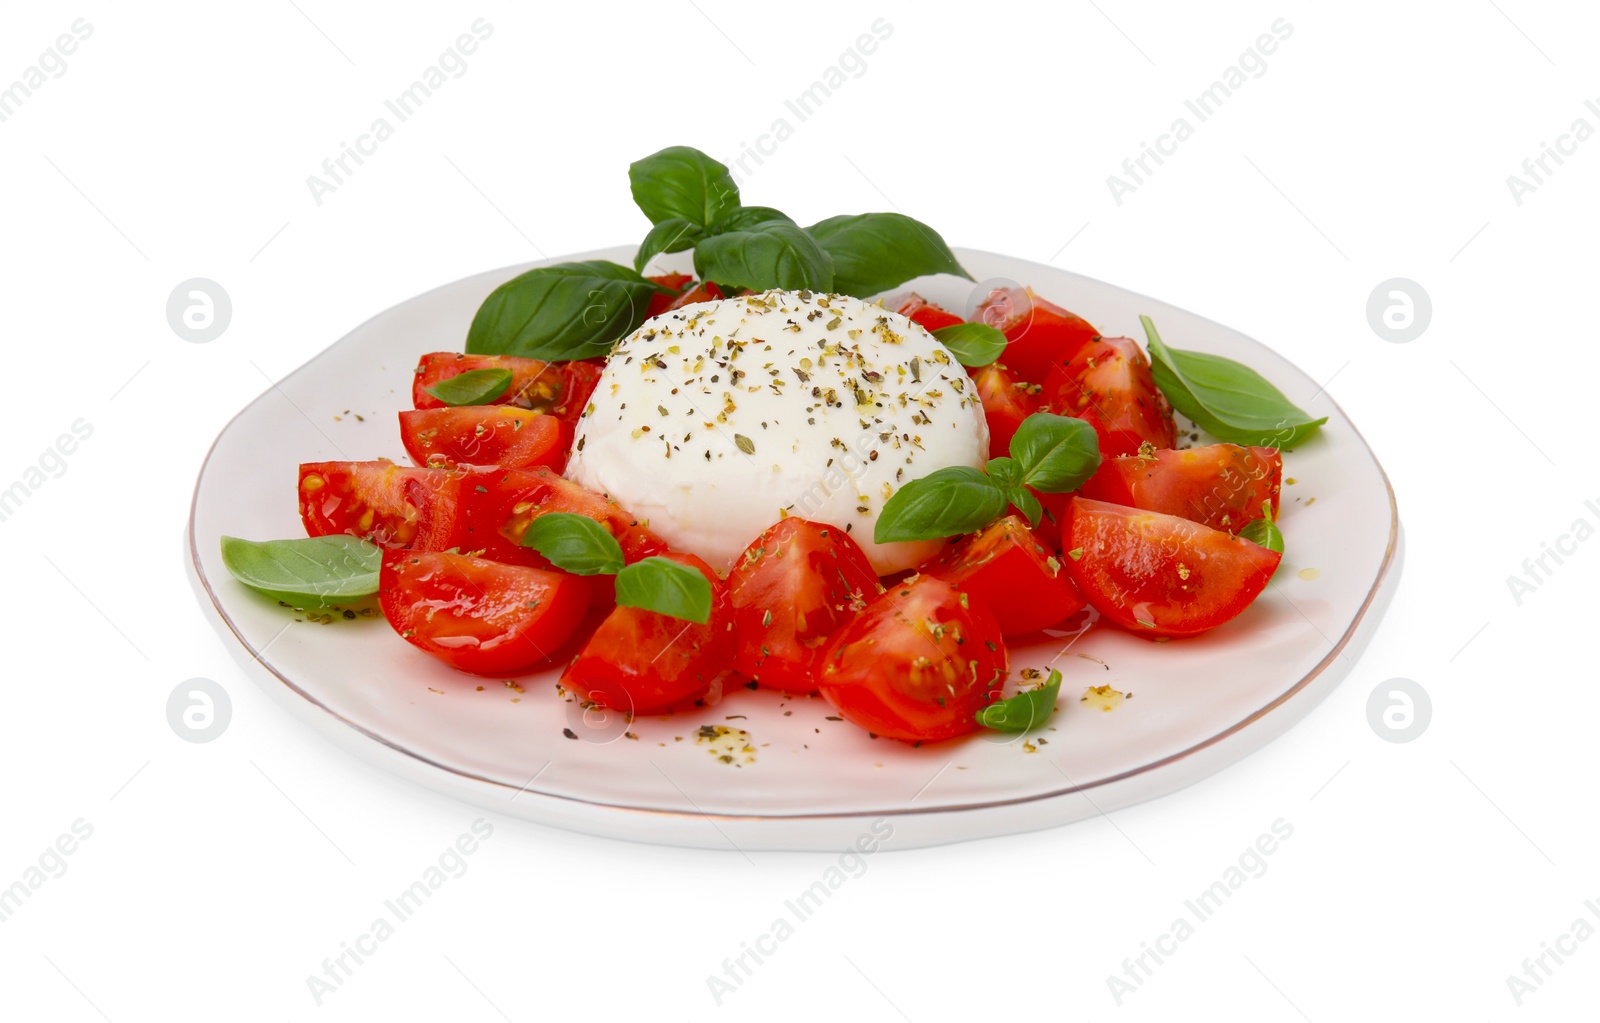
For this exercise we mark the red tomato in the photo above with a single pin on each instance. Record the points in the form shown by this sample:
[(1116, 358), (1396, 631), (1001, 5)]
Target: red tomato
[(1007, 401), (660, 301), (916, 664), (393, 506), (927, 315), (699, 293), (498, 505), (577, 384), (1221, 485), (642, 662), (534, 385), (1013, 573), (512, 438), (478, 615), (1039, 333), (791, 589), (1108, 384), (1161, 575)]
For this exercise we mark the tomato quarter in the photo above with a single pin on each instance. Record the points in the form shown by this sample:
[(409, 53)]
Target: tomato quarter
[(1007, 401), (1108, 384), (512, 438), (393, 506), (1221, 485), (1013, 573), (925, 314), (1039, 333)]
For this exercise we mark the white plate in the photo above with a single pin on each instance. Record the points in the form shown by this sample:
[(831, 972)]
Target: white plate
[(812, 783)]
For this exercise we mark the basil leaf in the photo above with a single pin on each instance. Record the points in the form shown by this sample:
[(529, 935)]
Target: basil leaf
[(474, 387), (561, 312), (307, 571), (1022, 499), (1228, 400), (1264, 532), (973, 344), (1056, 453), (681, 181), (1004, 471), (662, 585), (746, 217), (1024, 710), (671, 235), (574, 543), (950, 501), (874, 252), (769, 254)]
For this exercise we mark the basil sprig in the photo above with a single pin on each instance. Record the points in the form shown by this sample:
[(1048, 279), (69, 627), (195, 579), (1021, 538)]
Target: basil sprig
[(306, 571), (766, 254), (874, 252), (948, 501), (671, 235), (574, 543), (973, 344), (1228, 400), (1024, 710), (1055, 453), (474, 387), (681, 182), (662, 585), (566, 311), (582, 546)]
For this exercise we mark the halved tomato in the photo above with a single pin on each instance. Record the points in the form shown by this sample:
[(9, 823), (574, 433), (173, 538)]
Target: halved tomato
[(1007, 401), (393, 506), (1221, 485), (512, 438), (916, 664), (790, 590), (478, 615), (925, 314), (1108, 384), (534, 385), (499, 504), (1161, 575), (1039, 333), (641, 662), (660, 301), (1012, 572)]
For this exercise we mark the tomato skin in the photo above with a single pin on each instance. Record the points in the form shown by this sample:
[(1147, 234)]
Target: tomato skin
[(1039, 332), (476, 615), (661, 300), (534, 384), (1014, 573), (393, 506), (642, 662), (1108, 384), (703, 292), (1220, 485), (1007, 401), (499, 504), (793, 587), (889, 672), (578, 380), (1161, 575), (925, 314), (502, 435)]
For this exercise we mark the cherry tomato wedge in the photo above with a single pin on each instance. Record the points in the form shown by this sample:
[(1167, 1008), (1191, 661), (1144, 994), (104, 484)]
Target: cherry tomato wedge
[(1108, 384), (641, 662), (499, 504), (534, 385), (916, 664), (512, 438), (478, 615), (577, 380), (704, 292), (796, 584), (1007, 401), (1223, 486), (1013, 573), (661, 300), (925, 314), (393, 506), (1161, 575), (1039, 333)]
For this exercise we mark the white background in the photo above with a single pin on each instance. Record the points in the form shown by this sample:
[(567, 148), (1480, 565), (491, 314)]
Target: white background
[(1377, 144)]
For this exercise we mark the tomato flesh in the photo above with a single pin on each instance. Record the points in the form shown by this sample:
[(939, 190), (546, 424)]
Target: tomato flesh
[(661, 301), (1161, 575), (503, 435), (702, 292), (1038, 333), (499, 504), (393, 506), (1007, 401), (1223, 486), (534, 384), (1014, 573), (1108, 384), (927, 315)]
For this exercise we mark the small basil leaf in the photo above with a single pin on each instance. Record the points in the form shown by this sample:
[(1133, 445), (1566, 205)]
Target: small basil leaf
[(769, 254), (947, 502), (746, 217), (671, 235), (307, 571), (474, 387), (1228, 400), (560, 312), (874, 252), (973, 344), (1024, 710), (574, 543), (681, 181), (662, 585), (1056, 453), (1022, 499), (1004, 471), (1264, 532)]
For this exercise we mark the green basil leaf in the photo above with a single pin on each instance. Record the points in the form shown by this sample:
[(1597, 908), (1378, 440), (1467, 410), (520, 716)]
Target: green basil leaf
[(1228, 400), (681, 181), (307, 571), (874, 252), (973, 344), (671, 235), (1022, 500), (947, 502), (1004, 471), (769, 254), (662, 585), (574, 543), (560, 312), (1264, 532), (474, 387), (746, 217), (1056, 453), (1024, 710)]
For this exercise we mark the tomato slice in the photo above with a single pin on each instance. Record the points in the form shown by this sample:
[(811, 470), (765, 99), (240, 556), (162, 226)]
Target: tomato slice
[(794, 585), (916, 664), (578, 379), (393, 506), (642, 662), (1108, 384), (1039, 333), (927, 315), (1007, 401), (1014, 573), (499, 504), (1161, 575), (1221, 485), (534, 384), (477, 615), (703, 292), (512, 438), (660, 302)]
